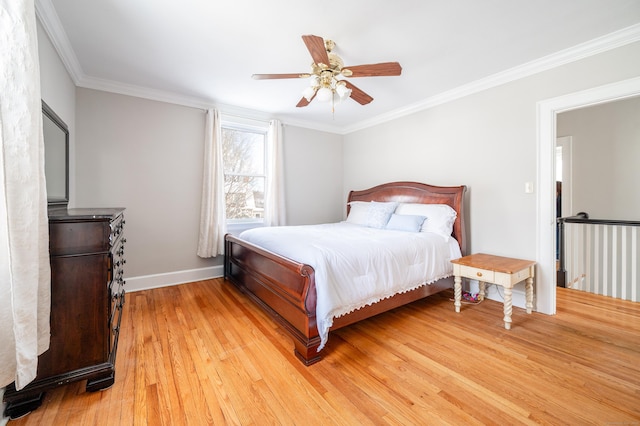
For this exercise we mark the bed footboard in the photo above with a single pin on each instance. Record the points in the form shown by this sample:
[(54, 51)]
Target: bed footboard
[(283, 288), (286, 291)]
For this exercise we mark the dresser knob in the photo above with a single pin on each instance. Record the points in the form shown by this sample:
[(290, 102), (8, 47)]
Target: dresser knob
[(479, 274)]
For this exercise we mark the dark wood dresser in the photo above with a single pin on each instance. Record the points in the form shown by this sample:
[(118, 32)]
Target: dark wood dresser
[(87, 263)]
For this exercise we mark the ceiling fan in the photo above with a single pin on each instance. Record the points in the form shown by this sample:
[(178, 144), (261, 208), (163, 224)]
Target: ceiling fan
[(328, 71)]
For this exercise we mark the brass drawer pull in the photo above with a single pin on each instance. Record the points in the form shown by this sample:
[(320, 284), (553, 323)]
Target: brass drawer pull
[(479, 274)]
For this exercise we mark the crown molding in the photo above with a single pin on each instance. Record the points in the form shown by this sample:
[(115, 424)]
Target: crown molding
[(593, 47), (105, 85), (51, 23), (194, 102), (46, 14)]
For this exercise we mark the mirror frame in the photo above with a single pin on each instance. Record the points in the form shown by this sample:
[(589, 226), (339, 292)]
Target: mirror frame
[(47, 112)]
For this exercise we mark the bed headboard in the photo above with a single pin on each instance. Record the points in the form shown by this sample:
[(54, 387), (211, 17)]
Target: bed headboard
[(415, 192)]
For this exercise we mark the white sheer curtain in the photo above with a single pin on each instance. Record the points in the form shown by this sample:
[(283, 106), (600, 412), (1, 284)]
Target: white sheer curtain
[(274, 198), (212, 210), (25, 276)]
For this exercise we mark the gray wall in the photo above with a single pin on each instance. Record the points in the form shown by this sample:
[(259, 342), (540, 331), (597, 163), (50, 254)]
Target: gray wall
[(147, 156), (313, 176), (606, 159), (487, 141), (59, 92)]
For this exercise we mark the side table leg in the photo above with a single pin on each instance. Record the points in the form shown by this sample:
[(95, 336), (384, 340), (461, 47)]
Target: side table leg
[(481, 289), (457, 291), (529, 294), (508, 307)]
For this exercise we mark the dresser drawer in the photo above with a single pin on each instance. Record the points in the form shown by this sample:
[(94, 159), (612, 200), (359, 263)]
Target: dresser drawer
[(476, 273), (78, 237)]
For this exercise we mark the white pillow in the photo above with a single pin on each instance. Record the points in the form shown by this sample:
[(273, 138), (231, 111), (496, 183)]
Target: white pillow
[(440, 217), (405, 222), (358, 213), (380, 213)]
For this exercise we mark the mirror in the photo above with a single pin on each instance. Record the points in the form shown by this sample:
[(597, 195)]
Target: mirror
[(56, 156)]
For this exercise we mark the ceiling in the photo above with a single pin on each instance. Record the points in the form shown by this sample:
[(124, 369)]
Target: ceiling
[(203, 52)]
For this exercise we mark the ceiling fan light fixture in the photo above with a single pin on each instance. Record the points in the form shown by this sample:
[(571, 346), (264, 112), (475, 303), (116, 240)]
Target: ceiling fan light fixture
[(342, 90), (309, 92), (324, 94)]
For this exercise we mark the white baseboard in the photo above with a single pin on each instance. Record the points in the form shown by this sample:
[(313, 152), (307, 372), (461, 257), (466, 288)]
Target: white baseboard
[(147, 282)]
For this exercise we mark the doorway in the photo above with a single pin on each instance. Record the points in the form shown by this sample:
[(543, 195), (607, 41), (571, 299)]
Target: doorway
[(547, 112)]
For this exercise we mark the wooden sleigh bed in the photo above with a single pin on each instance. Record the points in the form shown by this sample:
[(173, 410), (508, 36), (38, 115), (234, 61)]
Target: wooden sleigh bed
[(286, 289)]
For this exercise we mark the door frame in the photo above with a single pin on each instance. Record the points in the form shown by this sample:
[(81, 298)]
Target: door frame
[(547, 111), (566, 143)]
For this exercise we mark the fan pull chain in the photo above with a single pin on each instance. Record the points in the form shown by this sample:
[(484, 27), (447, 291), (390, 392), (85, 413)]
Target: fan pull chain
[(333, 106)]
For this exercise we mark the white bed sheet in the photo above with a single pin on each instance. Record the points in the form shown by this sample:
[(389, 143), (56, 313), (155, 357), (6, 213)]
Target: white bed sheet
[(356, 266)]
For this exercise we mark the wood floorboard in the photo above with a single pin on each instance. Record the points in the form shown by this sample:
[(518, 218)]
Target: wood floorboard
[(203, 353)]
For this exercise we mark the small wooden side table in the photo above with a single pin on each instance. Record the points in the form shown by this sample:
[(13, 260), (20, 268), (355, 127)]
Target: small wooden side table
[(503, 271)]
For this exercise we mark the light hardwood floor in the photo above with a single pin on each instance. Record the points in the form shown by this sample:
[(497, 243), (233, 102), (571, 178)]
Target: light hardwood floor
[(201, 353)]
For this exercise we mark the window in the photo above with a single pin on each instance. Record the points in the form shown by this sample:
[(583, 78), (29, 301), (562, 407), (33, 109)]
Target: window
[(244, 153)]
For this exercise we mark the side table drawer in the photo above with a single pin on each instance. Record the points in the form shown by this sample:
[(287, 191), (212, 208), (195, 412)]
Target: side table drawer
[(508, 280), (521, 275), (476, 273)]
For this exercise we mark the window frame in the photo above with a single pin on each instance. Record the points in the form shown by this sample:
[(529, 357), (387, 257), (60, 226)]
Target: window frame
[(236, 226)]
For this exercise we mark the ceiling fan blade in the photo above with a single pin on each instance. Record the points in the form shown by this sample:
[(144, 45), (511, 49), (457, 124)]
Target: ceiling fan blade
[(373, 70), (358, 95), (304, 102), (273, 76), (315, 45)]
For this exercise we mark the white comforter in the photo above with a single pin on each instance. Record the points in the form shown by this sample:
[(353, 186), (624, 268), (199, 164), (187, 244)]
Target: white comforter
[(356, 266)]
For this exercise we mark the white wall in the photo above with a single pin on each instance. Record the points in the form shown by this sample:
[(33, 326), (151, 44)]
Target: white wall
[(146, 156), (487, 141), (606, 155)]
